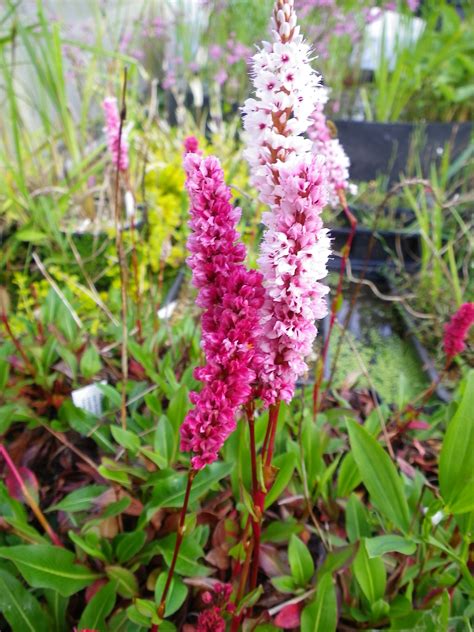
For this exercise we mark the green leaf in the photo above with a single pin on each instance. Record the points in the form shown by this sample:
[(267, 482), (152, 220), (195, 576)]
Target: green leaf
[(99, 608), (357, 525), (301, 562), (170, 491), (80, 499), (143, 612), (379, 476), (281, 531), (286, 466), (178, 407), (57, 605), (284, 583), (176, 596), (388, 544), (26, 531), (85, 424), (7, 415), (125, 581), (90, 363), (321, 614), (111, 393), (312, 445), (164, 441), (90, 544), (129, 544), (456, 462), (47, 566), (22, 611), (189, 552), (370, 574), (249, 599), (349, 476), (115, 474), (31, 235), (126, 438), (336, 560)]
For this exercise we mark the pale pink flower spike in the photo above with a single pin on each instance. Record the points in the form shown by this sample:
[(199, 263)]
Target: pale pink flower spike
[(293, 182)]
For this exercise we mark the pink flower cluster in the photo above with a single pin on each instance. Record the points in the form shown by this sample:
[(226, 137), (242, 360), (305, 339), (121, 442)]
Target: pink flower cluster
[(455, 332), (231, 297), (211, 620), (293, 259), (336, 160), (293, 182), (118, 148)]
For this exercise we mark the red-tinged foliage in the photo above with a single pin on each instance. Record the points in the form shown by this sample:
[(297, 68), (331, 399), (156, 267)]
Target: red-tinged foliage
[(289, 617), (29, 479), (94, 588), (418, 424)]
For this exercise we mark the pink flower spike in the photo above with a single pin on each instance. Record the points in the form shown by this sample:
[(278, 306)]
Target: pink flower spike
[(118, 147), (455, 332), (231, 297), (294, 183)]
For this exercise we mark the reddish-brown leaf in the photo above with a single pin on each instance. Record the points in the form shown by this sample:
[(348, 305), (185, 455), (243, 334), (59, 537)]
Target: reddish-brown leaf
[(30, 481), (289, 617)]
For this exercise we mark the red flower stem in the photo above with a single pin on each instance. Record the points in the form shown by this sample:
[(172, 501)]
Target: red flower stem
[(39, 324), (29, 498), (136, 278), (249, 409), (337, 298), (423, 397), (177, 546), (261, 494), (17, 343), (267, 455), (238, 618), (122, 261)]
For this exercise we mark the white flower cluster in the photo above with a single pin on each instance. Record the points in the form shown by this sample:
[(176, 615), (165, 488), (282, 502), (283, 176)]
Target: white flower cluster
[(287, 90)]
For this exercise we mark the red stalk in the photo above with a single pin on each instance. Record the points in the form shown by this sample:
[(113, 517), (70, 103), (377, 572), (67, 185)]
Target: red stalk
[(18, 346), (136, 278), (336, 302), (259, 496), (177, 546), (29, 498), (122, 261), (253, 448)]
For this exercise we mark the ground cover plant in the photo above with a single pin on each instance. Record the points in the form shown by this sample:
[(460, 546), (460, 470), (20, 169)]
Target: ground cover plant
[(181, 448)]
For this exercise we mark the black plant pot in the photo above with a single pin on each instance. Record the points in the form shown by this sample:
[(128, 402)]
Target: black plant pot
[(404, 245), (384, 148)]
